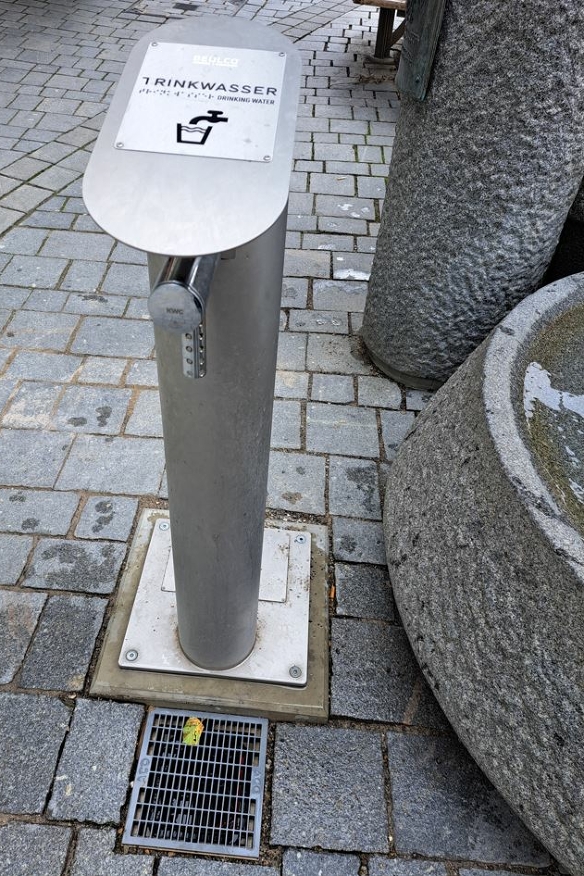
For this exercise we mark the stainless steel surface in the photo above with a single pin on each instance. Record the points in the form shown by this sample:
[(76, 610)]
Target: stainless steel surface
[(217, 440), (204, 101), (206, 797), (178, 303), (185, 205), (281, 650)]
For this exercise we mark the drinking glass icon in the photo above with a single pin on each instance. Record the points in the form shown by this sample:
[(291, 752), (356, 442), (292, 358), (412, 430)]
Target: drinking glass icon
[(195, 134)]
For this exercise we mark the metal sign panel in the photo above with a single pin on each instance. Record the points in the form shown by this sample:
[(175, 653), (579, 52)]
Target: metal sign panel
[(209, 101)]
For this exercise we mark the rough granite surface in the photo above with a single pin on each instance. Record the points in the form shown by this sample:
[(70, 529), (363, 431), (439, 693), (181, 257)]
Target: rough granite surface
[(487, 562), (479, 186)]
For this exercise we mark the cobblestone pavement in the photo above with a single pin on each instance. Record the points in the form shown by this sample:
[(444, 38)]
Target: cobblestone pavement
[(383, 789)]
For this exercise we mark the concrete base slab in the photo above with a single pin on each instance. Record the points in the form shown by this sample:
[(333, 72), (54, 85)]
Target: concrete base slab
[(217, 694)]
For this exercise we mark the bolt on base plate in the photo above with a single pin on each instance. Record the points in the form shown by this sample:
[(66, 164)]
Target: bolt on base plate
[(280, 654)]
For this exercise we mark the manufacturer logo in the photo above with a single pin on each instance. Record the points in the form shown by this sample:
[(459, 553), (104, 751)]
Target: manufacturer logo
[(196, 134)]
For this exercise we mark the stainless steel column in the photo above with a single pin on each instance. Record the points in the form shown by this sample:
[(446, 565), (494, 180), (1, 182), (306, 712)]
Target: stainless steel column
[(217, 441)]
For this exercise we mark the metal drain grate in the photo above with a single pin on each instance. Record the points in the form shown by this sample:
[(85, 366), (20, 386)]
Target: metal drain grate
[(199, 798)]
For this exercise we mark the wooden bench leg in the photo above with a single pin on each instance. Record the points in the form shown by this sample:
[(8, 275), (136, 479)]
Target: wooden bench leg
[(383, 42)]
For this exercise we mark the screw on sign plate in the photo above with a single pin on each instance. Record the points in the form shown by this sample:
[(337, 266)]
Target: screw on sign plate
[(295, 672), (131, 655)]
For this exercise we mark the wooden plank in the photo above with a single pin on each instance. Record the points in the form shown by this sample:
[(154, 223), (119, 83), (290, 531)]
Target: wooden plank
[(399, 5)]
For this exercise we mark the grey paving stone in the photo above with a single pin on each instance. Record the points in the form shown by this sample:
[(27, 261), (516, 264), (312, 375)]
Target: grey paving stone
[(37, 511), (444, 807), (84, 276), (307, 263), (108, 517), (354, 488), (353, 208), (33, 849), (94, 856), (286, 424), (204, 867), (375, 676), (296, 482), (23, 241), (45, 331), (296, 862), (379, 866), (352, 265), (325, 321), (378, 392), (416, 400), (336, 354), (49, 300), (143, 372), (19, 613), (131, 280), (92, 409), (58, 658), (128, 255), (146, 417), (92, 777), (57, 367), (61, 564), (395, 425), (24, 198), (291, 351), (11, 297), (31, 271), (291, 384), (26, 770), (14, 551), (294, 292), (472, 872), (30, 458), (344, 430), (96, 304), (7, 388), (78, 245), (358, 541), (328, 789), (339, 295), (364, 591), (102, 369), (32, 406), (113, 465), (101, 335), (336, 388)]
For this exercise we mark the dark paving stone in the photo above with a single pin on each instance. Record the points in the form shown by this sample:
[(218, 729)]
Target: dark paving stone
[(19, 613), (364, 591), (302, 863), (444, 807), (328, 789), (33, 849), (59, 564), (94, 856), (395, 867), (201, 867), (59, 656), (375, 676), (93, 773), (32, 730)]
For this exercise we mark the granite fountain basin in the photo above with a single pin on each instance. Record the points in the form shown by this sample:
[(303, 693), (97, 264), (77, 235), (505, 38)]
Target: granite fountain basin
[(484, 523)]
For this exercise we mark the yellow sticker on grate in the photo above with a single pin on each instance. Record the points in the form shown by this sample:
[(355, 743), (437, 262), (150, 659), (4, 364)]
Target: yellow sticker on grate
[(192, 731)]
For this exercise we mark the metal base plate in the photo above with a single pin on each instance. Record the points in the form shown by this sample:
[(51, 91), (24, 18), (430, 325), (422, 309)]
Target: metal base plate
[(280, 654)]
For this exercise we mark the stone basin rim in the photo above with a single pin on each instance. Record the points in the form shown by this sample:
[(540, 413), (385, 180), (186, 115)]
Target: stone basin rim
[(505, 356)]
